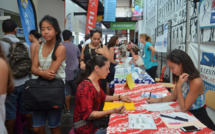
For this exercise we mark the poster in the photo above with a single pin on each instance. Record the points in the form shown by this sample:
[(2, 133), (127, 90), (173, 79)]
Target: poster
[(161, 43), (137, 9), (110, 10), (207, 13)]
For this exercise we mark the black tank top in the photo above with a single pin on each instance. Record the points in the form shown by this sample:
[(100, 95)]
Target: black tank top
[(89, 53)]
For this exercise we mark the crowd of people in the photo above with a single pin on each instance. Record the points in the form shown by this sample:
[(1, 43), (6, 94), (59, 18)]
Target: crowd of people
[(51, 58)]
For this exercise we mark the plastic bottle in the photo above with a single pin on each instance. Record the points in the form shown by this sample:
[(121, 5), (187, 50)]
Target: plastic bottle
[(132, 68)]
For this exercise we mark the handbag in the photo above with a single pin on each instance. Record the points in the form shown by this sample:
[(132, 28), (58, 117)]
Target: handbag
[(42, 94)]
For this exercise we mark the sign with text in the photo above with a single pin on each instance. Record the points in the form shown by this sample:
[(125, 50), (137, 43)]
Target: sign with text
[(161, 43), (123, 25), (91, 15), (108, 31), (110, 10)]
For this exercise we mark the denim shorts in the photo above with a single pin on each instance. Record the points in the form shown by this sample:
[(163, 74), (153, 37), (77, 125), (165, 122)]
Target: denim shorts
[(17, 97), (53, 117), (69, 88)]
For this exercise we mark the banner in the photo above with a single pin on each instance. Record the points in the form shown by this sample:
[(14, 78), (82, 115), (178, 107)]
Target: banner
[(207, 13), (28, 17), (110, 10), (137, 9), (91, 15), (122, 25), (68, 22), (207, 63), (108, 31), (161, 43)]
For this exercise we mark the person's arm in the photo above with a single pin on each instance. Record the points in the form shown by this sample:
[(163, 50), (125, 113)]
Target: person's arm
[(4, 70), (82, 64), (152, 53), (117, 98), (195, 88), (99, 114), (134, 61), (111, 52), (170, 97), (103, 51)]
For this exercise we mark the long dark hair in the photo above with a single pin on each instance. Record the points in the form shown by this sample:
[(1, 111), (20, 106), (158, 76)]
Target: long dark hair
[(95, 30), (95, 61), (53, 21), (112, 41), (10, 86), (179, 56)]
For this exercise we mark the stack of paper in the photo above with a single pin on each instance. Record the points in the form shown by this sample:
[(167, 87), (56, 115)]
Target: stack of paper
[(154, 95), (158, 106), (111, 105), (141, 121)]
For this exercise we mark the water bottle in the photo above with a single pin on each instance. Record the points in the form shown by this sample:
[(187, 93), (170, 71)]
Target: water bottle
[(132, 68)]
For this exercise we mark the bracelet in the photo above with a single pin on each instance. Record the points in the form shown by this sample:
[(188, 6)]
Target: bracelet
[(119, 97), (82, 59)]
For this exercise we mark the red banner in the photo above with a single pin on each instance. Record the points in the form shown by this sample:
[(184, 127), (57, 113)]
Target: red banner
[(91, 15)]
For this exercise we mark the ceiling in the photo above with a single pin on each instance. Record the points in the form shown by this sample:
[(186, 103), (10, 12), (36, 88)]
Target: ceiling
[(120, 3)]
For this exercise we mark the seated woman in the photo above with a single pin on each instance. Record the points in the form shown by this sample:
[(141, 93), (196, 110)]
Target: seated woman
[(89, 96), (189, 87), (137, 60)]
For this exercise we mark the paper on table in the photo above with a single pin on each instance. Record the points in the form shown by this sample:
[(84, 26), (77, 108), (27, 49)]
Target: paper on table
[(111, 105), (158, 106), (172, 123), (154, 95), (141, 121)]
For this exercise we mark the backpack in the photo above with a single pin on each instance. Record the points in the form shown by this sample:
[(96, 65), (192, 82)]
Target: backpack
[(19, 59)]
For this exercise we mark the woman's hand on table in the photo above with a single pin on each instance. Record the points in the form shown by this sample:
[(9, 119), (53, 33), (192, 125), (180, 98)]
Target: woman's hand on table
[(125, 98), (119, 110), (152, 100)]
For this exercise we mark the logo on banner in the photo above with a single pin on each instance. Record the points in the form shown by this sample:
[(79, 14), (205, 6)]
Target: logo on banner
[(212, 18), (92, 3), (165, 42), (24, 3), (208, 59)]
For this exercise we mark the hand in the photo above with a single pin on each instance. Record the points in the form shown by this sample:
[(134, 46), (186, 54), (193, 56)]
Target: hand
[(119, 110), (182, 79), (153, 60), (82, 66), (99, 51), (48, 74), (152, 100), (125, 98)]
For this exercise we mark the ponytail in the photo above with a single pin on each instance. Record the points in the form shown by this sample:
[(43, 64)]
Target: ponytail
[(147, 38)]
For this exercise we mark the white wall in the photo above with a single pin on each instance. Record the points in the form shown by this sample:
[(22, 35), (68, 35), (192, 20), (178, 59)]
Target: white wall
[(10, 5)]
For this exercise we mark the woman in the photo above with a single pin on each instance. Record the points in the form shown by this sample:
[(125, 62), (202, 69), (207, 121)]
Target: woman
[(6, 88), (95, 48), (90, 96), (149, 55), (137, 60), (34, 37), (49, 63), (112, 42), (189, 87)]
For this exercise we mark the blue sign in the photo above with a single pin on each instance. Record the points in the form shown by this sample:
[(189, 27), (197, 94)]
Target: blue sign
[(110, 10), (212, 18), (28, 17)]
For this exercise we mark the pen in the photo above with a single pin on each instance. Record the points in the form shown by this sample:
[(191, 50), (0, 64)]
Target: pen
[(150, 95), (176, 118)]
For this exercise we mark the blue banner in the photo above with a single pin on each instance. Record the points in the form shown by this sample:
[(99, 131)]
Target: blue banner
[(28, 17), (110, 10)]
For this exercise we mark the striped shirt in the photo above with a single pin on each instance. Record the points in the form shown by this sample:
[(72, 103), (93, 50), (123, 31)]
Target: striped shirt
[(45, 63), (200, 101)]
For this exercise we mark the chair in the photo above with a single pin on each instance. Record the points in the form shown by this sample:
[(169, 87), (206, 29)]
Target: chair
[(168, 86), (162, 74), (209, 101)]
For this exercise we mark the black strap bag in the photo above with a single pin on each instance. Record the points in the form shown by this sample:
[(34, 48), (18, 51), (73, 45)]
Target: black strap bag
[(42, 94)]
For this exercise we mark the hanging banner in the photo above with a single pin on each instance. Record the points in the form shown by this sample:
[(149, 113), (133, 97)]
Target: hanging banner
[(68, 22), (122, 25), (108, 31), (207, 63), (28, 17), (137, 9), (91, 15), (207, 13), (110, 10)]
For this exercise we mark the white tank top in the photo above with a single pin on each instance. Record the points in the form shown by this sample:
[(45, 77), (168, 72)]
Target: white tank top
[(2, 114), (139, 62)]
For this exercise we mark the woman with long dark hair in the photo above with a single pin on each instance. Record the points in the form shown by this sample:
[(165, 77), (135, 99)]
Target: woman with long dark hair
[(49, 63), (189, 87), (90, 96), (6, 88)]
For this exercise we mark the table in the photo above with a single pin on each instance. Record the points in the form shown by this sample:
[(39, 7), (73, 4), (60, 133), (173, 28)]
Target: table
[(139, 76), (118, 123)]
